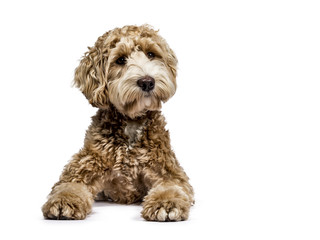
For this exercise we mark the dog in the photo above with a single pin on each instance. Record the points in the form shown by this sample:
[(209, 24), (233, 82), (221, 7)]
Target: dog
[(126, 157)]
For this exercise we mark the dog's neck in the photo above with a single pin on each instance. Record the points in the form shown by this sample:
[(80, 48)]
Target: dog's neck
[(112, 116), (121, 125)]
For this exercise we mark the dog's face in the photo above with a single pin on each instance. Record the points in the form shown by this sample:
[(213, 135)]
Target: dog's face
[(132, 68)]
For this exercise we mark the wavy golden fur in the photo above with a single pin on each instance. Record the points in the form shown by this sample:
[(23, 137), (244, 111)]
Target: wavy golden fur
[(127, 155)]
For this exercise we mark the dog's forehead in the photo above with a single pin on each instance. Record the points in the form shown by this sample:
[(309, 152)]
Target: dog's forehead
[(128, 36), (128, 44), (134, 41), (124, 47)]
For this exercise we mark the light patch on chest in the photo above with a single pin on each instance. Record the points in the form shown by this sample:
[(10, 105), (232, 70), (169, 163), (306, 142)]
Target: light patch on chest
[(134, 131)]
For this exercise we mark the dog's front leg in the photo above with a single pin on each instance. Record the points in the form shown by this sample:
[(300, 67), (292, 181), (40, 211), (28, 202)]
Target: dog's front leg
[(72, 196), (168, 201)]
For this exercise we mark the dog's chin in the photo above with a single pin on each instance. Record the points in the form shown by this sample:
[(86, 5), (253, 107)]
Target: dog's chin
[(139, 107)]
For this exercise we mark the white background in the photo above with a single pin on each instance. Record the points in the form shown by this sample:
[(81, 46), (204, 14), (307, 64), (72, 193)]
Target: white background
[(244, 123)]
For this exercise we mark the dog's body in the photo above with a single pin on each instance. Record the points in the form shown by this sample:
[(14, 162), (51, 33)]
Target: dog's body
[(127, 155)]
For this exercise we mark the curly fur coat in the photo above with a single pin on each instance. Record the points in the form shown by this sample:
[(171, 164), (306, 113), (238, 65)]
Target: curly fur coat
[(126, 156)]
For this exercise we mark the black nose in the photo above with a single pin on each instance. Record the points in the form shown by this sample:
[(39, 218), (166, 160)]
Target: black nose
[(146, 83)]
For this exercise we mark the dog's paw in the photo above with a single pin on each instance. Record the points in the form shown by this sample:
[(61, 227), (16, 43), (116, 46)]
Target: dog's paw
[(168, 205), (165, 211), (65, 206)]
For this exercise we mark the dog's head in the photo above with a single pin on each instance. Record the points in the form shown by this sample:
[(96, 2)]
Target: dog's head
[(132, 68)]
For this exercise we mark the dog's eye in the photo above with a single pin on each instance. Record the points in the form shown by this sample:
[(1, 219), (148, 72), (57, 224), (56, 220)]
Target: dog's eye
[(151, 55), (121, 61)]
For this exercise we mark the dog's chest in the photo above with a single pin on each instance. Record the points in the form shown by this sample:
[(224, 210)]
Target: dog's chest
[(134, 131), (123, 181)]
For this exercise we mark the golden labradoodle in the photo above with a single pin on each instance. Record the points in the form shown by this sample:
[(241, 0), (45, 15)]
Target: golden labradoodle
[(127, 156)]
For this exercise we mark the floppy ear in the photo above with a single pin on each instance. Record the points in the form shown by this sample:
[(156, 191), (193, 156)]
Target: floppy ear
[(172, 62), (90, 76)]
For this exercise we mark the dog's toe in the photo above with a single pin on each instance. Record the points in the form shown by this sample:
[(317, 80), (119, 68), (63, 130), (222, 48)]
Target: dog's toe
[(161, 215), (174, 214)]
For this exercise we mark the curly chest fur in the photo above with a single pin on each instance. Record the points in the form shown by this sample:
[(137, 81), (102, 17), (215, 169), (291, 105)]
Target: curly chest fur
[(133, 153), (134, 131), (124, 182)]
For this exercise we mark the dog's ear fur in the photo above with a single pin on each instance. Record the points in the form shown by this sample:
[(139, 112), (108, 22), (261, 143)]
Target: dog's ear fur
[(172, 62), (90, 74)]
